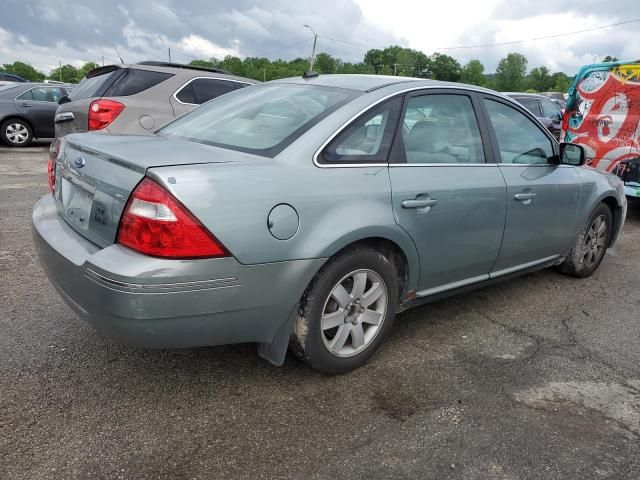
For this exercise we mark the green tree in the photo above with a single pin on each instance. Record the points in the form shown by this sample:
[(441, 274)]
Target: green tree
[(325, 63), (473, 73), (561, 82), (539, 79), (86, 68), (609, 58), (24, 70), (66, 73), (510, 74), (443, 67)]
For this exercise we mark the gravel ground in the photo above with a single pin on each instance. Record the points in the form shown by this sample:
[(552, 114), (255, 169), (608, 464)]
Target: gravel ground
[(537, 378)]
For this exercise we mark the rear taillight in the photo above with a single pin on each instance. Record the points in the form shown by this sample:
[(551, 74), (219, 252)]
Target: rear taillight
[(103, 112), (155, 223), (54, 149)]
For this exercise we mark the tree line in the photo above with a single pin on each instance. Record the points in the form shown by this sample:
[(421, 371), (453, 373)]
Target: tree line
[(512, 73)]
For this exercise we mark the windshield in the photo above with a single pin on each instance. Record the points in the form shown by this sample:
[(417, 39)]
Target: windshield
[(260, 119)]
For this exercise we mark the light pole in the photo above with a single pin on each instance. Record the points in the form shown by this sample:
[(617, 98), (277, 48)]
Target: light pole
[(313, 51)]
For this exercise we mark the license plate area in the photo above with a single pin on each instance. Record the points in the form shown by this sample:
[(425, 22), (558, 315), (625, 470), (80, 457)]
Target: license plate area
[(76, 198)]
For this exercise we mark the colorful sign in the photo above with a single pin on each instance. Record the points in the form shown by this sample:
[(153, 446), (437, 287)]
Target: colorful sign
[(602, 113)]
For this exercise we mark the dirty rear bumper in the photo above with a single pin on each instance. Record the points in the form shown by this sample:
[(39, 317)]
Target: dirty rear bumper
[(157, 303)]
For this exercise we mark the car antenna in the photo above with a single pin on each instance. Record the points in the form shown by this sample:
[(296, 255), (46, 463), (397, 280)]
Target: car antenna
[(114, 47)]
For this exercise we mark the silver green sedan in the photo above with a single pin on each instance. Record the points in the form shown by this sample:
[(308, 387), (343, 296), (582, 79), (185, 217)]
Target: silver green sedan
[(307, 212)]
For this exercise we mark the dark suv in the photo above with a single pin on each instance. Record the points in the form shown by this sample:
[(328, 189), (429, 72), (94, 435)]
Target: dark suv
[(140, 98), (542, 107)]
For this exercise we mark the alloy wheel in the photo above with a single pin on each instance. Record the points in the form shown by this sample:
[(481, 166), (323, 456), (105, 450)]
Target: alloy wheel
[(595, 241), (17, 133), (354, 312)]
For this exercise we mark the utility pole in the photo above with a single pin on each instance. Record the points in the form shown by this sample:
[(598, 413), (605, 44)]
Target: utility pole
[(395, 68), (313, 50), (103, 60), (61, 70), (169, 54), (264, 74)]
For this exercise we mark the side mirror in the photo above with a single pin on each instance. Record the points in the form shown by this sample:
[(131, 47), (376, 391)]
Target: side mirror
[(64, 99), (572, 154)]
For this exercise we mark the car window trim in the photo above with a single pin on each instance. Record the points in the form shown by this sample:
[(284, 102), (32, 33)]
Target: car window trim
[(175, 94), (35, 101), (535, 120), (403, 92)]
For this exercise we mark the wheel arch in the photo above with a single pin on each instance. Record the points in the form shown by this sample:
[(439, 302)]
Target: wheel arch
[(617, 212), (397, 246), (13, 116)]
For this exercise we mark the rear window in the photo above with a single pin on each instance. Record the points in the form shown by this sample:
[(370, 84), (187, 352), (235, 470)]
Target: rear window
[(94, 86), (133, 81), (262, 119)]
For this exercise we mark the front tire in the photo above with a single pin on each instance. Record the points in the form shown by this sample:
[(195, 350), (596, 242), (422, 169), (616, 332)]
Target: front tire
[(16, 133), (590, 245), (347, 311)]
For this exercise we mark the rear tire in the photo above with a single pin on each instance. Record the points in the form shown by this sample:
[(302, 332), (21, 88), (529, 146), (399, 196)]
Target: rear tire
[(347, 311), (591, 244), (16, 133)]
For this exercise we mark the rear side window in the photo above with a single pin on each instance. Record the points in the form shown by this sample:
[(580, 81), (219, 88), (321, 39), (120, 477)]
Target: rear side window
[(530, 104), (368, 139), (133, 81), (201, 90)]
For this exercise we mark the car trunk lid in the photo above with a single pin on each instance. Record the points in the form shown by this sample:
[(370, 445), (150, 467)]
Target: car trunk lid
[(96, 173)]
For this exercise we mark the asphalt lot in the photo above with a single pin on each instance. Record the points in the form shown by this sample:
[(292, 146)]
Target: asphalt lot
[(537, 378)]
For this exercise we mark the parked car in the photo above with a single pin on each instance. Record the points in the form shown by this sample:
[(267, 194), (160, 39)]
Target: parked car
[(27, 111), (548, 112), (10, 78), (603, 111), (140, 98), (629, 172), (308, 210)]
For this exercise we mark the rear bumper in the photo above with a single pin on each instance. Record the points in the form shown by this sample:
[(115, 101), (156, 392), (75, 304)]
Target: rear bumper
[(156, 303)]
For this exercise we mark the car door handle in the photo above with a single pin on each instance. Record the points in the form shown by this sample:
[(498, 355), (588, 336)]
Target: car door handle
[(64, 117), (524, 197), (25, 105), (419, 203)]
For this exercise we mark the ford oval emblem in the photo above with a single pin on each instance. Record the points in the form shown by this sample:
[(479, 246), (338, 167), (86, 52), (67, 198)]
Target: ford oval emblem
[(79, 162)]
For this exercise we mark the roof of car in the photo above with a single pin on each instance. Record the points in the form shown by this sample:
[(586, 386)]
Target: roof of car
[(368, 83), (173, 68), (523, 94)]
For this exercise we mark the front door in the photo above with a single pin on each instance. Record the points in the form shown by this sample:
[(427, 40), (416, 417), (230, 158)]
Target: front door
[(543, 197), (39, 105), (446, 193)]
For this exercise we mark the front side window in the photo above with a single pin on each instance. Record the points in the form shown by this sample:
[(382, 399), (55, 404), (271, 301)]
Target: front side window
[(520, 140), (550, 110), (262, 119), (530, 104), (368, 139), (42, 94), (441, 129)]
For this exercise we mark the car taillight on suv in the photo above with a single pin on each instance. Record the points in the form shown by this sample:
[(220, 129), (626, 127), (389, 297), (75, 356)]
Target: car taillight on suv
[(103, 112), (54, 149), (155, 223)]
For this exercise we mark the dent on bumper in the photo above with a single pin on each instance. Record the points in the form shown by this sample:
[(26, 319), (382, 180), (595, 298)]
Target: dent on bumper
[(158, 303)]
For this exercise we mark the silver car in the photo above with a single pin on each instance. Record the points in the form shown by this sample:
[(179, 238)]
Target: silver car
[(140, 98), (309, 211)]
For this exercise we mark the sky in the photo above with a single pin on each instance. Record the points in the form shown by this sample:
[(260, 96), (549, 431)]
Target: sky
[(45, 32)]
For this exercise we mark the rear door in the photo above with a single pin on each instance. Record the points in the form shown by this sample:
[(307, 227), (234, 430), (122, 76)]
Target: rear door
[(198, 91), (446, 192), (543, 198), (39, 106)]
